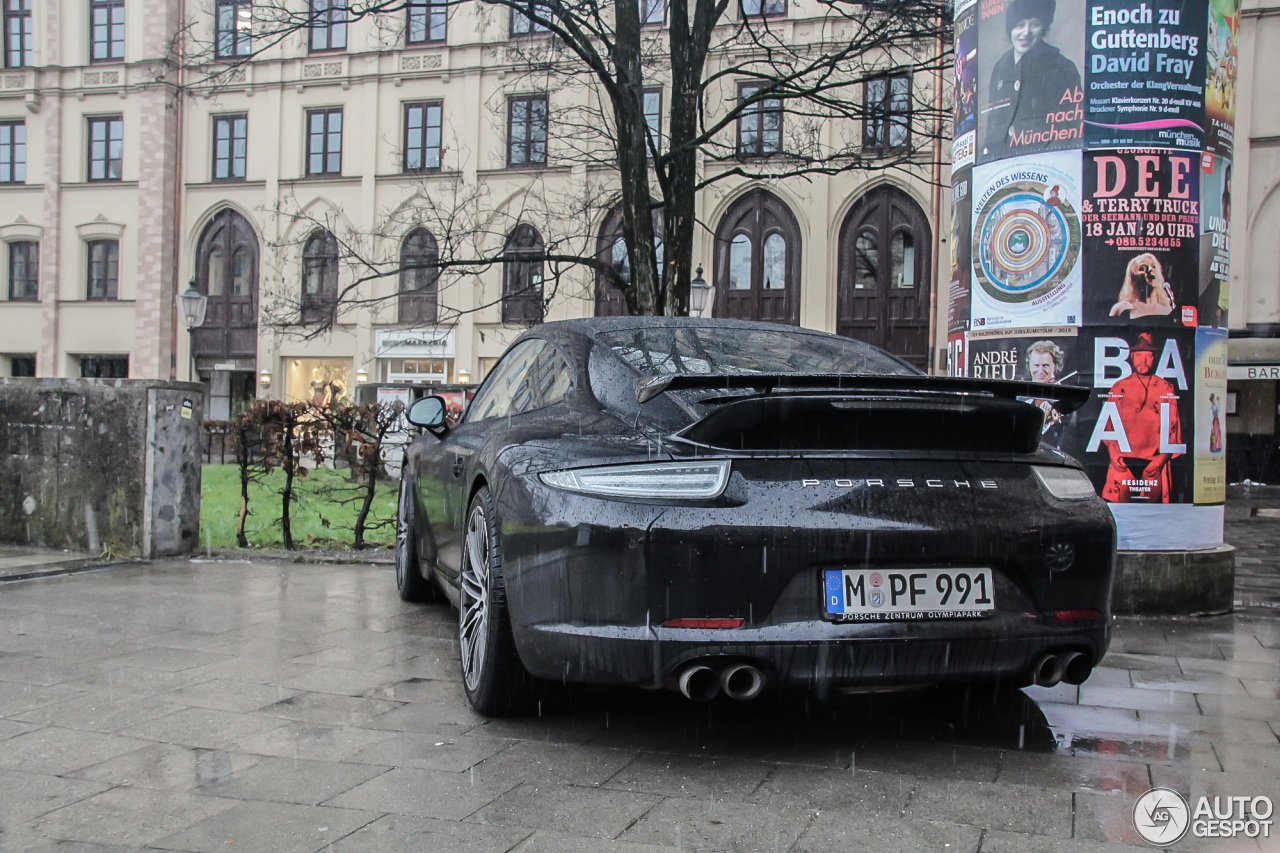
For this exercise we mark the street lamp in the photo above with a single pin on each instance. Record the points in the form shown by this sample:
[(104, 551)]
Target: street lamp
[(464, 377), (699, 293), (193, 305)]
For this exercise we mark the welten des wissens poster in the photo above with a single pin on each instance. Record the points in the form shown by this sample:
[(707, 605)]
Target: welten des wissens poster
[(1026, 241)]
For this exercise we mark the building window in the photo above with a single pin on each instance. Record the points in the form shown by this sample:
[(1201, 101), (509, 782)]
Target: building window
[(230, 147), (419, 272), (653, 12), (233, 28), (760, 124), (524, 24), (527, 130), (328, 24), (13, 152), (887, 106), (653, 118), (24, 271), (106, 147), (106, 30), (522, 276), (422, 137), (427, 22), (22, 365), (324, 142), (319, 277), (104, 269), (104, 367), (17, 33), (763, 8)]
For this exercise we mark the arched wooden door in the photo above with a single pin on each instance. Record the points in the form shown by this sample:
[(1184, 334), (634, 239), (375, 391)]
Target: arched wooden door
[(227, 273), (757, 260), (612, 250), (883, 284)]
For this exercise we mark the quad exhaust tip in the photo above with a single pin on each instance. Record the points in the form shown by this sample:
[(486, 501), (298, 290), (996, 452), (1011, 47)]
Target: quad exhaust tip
[(742, 681), (699, 683), (1076, 668), (1050, 668), (702, 683), (1047, 670)]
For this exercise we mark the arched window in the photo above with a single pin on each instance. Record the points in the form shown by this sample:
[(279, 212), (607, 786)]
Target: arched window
[(757, 260), (227, 272), (319, 277), (612, 249), (882, 288), (522, 276), (419, 272)]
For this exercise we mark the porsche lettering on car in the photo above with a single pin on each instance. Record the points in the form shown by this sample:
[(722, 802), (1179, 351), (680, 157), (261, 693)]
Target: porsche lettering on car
[(718, 506)]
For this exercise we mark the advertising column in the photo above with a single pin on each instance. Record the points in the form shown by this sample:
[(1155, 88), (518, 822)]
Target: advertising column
[(1093, 173)]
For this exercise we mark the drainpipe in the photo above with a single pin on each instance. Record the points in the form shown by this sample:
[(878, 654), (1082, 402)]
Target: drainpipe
[(935, 198), (177, 195)]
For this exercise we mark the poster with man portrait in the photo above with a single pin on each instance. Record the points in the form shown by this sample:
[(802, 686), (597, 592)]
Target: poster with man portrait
[(1030, 98), (1211, 416), (1141, 219), (1215, 243), (1026, 242), (1046, 355), (1133, 435), (1146, 72), (1221, 66)]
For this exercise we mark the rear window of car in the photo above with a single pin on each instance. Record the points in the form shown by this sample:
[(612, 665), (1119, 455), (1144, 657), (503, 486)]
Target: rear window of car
[(718, 349)]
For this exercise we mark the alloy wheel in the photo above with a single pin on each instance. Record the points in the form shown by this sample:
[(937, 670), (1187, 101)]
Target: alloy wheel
[(473, 618), (402, 538)]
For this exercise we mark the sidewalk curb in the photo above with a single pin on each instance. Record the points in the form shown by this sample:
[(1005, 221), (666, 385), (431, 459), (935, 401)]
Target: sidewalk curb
[(380, 556)]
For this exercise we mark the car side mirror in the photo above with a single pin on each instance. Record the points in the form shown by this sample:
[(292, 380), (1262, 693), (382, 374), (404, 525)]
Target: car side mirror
[(429, 413)]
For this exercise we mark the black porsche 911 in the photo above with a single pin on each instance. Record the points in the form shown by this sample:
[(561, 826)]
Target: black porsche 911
[(717, 505)]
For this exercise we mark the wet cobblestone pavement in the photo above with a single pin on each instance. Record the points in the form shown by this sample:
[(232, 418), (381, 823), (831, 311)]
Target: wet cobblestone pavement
[(236, 705)]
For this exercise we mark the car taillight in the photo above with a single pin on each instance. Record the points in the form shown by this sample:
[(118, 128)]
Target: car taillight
[(688, 480)]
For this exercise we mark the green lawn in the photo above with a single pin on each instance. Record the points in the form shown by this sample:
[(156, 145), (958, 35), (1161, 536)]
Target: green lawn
[(318, 520)]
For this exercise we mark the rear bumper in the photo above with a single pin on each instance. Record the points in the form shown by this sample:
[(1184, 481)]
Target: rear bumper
[(591, 581), (810, 655)]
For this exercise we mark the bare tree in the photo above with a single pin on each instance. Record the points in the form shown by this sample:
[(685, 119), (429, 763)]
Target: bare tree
[(752, 95)]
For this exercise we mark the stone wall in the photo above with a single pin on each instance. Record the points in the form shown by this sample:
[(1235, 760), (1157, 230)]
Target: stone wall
[(90, 464)]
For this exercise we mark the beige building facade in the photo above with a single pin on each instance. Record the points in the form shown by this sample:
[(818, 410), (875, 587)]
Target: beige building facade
[(87, 219), (365, 136), (1254, 345), (126, 176)]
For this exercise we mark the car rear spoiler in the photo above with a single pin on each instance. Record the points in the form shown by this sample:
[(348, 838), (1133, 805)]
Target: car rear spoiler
[(1067, 398)]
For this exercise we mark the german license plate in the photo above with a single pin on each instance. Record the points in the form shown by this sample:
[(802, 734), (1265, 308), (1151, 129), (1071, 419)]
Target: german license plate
[(871, 595)]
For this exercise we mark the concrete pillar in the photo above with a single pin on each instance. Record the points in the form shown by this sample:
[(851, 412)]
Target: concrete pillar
[(157, 184), (48, 362), (1093, 165)]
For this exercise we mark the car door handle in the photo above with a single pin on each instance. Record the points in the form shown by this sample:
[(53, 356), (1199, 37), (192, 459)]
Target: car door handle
[(457, 467)]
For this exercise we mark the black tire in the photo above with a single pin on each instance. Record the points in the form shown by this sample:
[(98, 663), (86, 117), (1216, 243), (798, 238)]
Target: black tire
[(410, 583), (495, 681)]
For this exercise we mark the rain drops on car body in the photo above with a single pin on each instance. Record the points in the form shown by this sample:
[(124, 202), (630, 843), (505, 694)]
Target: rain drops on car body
[(707, 506)]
